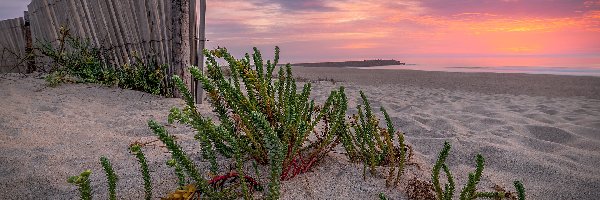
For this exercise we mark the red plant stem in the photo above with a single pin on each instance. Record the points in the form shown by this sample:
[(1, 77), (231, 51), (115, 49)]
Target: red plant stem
[(216, 179), (299, 165), (289, 152)]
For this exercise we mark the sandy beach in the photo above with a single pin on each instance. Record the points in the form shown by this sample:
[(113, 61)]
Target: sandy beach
[(541, 129)]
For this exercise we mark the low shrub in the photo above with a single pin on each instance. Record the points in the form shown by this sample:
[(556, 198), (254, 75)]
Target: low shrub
[(373, 145), (265, 119), (76, 60), (469, 191)]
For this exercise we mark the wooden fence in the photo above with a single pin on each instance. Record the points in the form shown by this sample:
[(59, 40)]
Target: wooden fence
[(12, 45), (164, 31), (120, 28)]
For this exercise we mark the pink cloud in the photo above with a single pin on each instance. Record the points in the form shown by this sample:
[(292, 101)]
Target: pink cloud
[(373, 29)]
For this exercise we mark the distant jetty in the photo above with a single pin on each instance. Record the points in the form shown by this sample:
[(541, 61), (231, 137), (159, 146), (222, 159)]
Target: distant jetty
[(364, 63)]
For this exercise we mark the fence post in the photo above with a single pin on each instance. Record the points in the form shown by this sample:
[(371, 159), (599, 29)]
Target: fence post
[(30, 60), (200, 47), (180, 55)]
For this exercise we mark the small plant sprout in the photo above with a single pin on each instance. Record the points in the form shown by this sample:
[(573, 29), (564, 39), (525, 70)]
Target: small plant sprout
[(178, 171), (83, 182), (520, 190), (373, 145), (178, 155), (111, 177), (469, 191), (441, 194), (382, 196), (137, 150)]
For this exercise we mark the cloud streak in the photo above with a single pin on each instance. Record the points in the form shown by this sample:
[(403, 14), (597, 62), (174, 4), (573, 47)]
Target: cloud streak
[(373, 28)]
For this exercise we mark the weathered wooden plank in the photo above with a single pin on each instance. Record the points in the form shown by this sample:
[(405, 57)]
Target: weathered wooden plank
[(192, 32), (21, 36), (33, 26), (180, 18), (12, 45), (3, 35), (112, 41), (118, 31), (129, 27), (155, 30), (163, 30), (76, 14), (122, 30), (136, 29), (142, 27), (110, 33), (61, 15), (168, 42), (34, 22), (58, 16), (50, 26), (47, 31), (100, 26), (92, 21)]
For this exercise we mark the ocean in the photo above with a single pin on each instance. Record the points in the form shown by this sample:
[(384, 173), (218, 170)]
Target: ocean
[(574, 66)]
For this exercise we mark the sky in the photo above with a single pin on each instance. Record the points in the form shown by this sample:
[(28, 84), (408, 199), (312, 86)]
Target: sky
[(320, 30), (317, 30)]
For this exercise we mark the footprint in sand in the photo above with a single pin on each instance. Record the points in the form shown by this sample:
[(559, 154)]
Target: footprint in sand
[(480, 110), (547, 110), (421, 120), (515, 108), (551, 134), (539, 118), (8, 130)]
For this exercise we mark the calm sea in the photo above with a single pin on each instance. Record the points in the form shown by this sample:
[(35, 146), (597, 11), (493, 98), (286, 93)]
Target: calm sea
[(576, 66)]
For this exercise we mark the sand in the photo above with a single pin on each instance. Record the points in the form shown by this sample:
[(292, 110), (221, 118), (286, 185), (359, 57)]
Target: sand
[(541, 129)]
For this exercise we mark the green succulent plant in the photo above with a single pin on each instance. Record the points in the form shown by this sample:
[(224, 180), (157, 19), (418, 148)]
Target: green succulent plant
[(83, 182)]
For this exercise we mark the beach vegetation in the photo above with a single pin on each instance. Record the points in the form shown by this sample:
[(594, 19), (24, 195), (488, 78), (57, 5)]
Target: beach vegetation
[(268, 120), (82, 181), (181, 180), (111, 177), (469, 191), (520, 190), (382, 196), (136, 149), (76, 60), (374, 145)]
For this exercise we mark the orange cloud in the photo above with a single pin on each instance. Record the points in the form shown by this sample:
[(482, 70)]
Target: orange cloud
[(399, 27), (358, 46)]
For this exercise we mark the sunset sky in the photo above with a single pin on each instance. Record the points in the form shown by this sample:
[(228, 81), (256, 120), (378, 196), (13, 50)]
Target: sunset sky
[(318, 30), (315, 30)]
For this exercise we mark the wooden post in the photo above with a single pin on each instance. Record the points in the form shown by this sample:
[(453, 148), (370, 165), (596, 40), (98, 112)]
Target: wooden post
[(200, 30), (180, 55), (30, 63)]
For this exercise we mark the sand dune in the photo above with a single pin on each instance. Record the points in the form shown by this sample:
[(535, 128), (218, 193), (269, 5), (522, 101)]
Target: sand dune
[(546, 134)]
